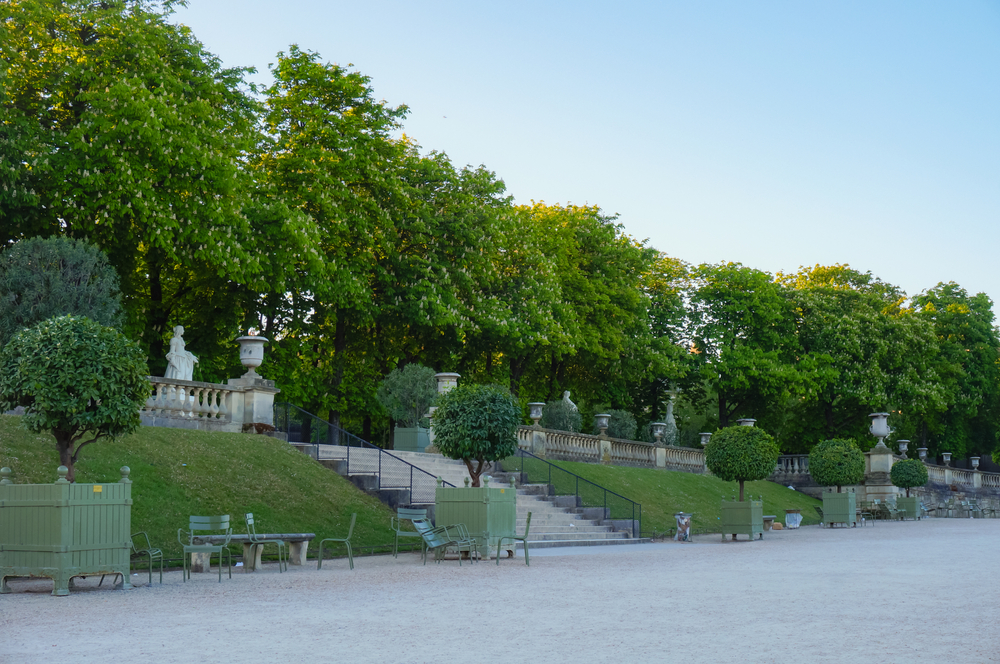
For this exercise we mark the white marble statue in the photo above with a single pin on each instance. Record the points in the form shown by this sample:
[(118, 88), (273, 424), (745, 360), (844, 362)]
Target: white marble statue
[(180, 363), (572, 406)]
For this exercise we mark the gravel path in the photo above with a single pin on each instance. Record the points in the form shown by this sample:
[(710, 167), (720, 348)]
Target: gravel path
[(898, 592)]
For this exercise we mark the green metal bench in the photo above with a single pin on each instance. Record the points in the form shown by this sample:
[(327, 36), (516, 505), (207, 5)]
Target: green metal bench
[(515, 538), (202, 524), (257, 541), (345, 541), (405, 514)]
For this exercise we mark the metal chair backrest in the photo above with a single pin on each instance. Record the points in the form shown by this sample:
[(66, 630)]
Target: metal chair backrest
[(208, 523), (527, 525), (410, 514), (433, 536), (251, 528), (350, 531)]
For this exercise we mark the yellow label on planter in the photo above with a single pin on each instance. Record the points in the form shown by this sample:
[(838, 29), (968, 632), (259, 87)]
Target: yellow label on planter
[(98, 488), (501, 490)]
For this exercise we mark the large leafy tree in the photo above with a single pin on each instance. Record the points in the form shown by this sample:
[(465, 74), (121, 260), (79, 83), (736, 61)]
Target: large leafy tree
[(78, 379), (837, 462), (741, 454), (132, 136), (743, 336), (477, 424), (969, 367)]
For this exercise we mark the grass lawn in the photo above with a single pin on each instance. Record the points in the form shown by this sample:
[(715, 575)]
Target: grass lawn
[(662, 493), (177, 473)]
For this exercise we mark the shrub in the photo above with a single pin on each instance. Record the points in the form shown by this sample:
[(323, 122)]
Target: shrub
[(561, 416), (741, 454), (837, 462), (908, 474), (621, 424), (407, 393), (477, 423), (41, 278), (78, 379)]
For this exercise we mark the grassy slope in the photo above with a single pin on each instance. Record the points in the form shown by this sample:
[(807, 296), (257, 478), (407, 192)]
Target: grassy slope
[(225, 474), (663, 492)]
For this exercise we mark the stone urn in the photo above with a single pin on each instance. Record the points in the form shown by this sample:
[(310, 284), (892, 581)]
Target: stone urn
[(252, 352)]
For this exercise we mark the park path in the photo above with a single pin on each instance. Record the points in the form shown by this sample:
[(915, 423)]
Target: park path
[(899, 592)]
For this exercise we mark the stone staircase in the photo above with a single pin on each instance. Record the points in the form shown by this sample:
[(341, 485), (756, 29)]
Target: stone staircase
[(555, 521)]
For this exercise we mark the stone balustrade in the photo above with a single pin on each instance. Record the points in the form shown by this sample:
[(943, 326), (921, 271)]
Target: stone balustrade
[(793, 464), (187, 404), (569, 446)]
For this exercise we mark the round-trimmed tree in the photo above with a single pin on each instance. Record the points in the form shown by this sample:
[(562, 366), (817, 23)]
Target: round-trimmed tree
[(908, 474), (477, 424), (741, 454), (78, 379), (45, 277), (621, 425), (837, 462), (561, 415)]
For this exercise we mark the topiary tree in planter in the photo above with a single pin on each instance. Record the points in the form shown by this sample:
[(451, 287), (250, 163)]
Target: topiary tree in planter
[(77, 379), (908, 474), (837, 462), (407, 394), (741, 454), (477, 424), (621, 425)]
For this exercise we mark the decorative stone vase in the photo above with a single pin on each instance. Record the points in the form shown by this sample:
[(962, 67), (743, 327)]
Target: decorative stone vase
[(446, 382), (705, 437), (909, 508), (840, 508), (742, 518), (746, 422), (252, 352), (535, 408), (601, 420), (411, 439), (489, 512)]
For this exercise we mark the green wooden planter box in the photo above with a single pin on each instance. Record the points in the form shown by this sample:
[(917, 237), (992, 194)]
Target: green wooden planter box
[(910, 507), (63, 530), (489, 512), (410, 439), (840, 508), (743, 518)]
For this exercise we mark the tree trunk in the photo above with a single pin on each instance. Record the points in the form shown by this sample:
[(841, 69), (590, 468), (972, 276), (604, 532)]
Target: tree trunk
[(474, 473), (339, 347), (157, 315), (741, 491), (724, 422), (65, 447)]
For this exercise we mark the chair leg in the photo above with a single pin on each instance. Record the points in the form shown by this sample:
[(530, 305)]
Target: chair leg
[(526, 561), (319, 557), (350, 555), (161, 569)]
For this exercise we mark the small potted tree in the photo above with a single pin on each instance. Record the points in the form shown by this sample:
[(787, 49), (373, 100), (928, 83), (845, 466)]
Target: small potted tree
[(477, 424), (742, 454), (907, 475), (838, 462), (407, 394)]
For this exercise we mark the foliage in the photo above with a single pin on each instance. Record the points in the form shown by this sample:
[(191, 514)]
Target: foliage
[(180, 472), (741, 454), (77, 379), (477, 423), (908, 473), (560, 415), (41, 278), (837, 462), (621, 425), (407, 393)]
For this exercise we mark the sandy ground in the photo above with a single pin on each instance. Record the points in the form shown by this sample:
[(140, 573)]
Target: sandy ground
[(898, 592)]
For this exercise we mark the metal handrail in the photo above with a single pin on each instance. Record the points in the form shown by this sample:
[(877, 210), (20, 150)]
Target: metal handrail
[(516, 464), (390, 471)]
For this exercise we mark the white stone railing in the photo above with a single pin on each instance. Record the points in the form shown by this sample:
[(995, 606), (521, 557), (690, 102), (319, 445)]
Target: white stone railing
[(601, 449), (188, 404), (189, 399), (792, 464), (936, 474)]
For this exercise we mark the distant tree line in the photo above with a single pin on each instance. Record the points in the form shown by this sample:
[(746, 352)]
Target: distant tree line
[(297, 210)]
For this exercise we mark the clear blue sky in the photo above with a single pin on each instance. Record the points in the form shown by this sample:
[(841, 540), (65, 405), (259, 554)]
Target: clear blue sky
[(776, 134)]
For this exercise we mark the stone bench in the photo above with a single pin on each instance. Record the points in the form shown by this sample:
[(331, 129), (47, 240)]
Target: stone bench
[(769, 521), (298, 544)]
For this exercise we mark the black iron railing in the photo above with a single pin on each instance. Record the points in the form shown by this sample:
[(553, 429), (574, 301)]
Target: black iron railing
[(535, 470), (331, 442)]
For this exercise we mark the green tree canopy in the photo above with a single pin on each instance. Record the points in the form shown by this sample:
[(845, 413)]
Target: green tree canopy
[(477, 424), (741, 454), (837, 462), (78, 379), (407, 393), (908, 474), (41, 278)]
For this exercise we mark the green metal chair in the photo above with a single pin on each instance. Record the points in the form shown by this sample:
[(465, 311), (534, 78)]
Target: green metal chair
[(148, 551), (515, 538), (435, 539), (256, 541), (404, 514), (463, 541), (346, 542), (204, 525)]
